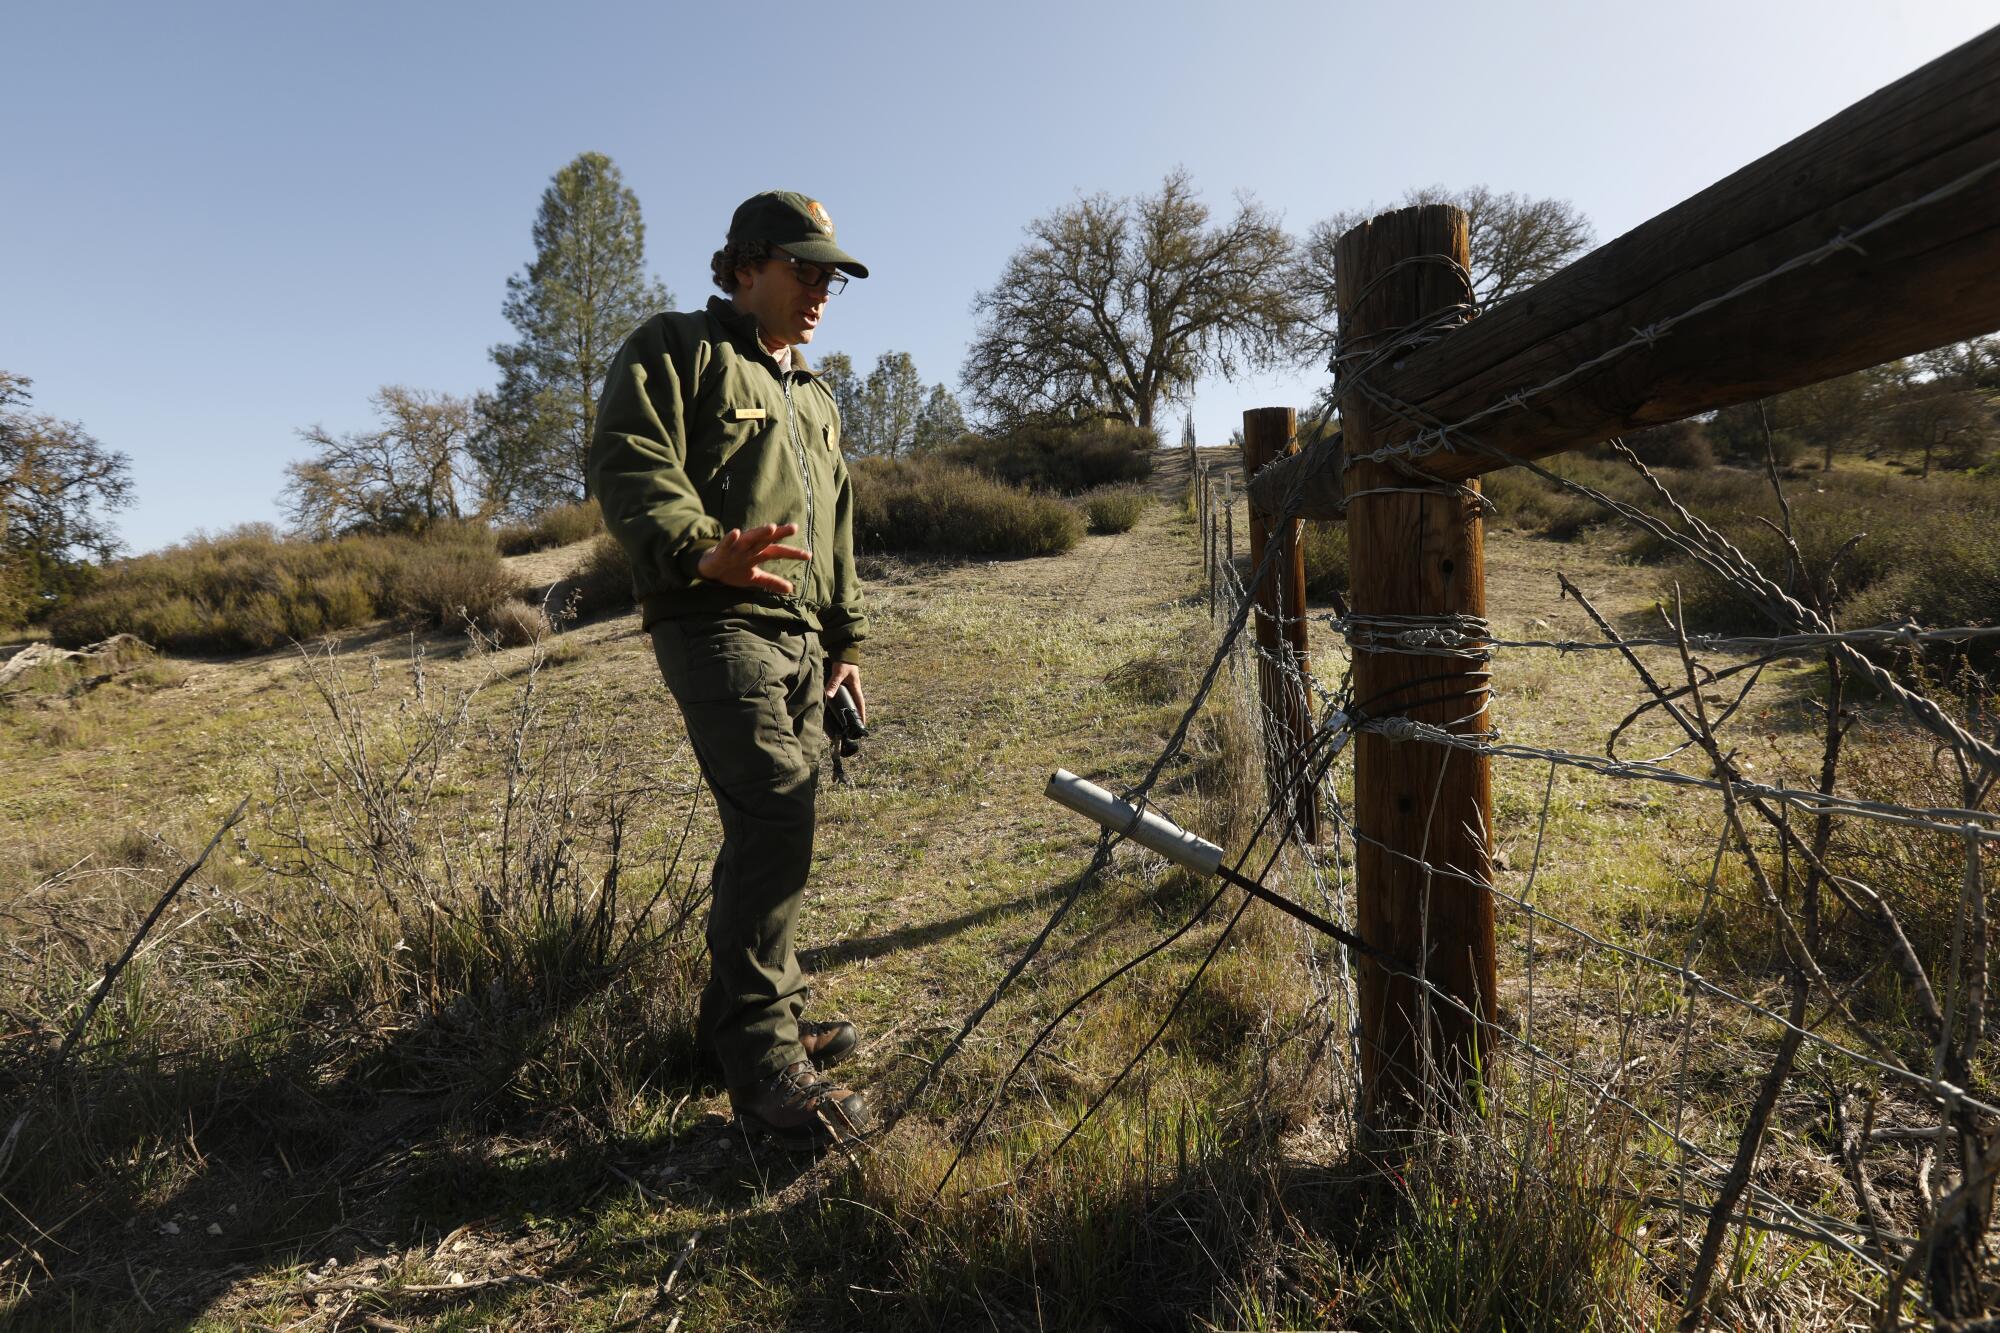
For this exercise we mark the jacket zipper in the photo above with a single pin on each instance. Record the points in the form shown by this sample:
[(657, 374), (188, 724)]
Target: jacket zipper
[(805, 470)]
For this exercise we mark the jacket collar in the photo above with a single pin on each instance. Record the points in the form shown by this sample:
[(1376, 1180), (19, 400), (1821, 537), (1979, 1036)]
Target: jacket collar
[(742, 327)]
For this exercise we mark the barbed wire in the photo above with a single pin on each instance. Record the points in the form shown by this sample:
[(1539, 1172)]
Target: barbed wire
[(1948, 1029)]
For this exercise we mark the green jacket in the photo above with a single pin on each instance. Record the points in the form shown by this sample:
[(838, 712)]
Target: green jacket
[(699, 432)]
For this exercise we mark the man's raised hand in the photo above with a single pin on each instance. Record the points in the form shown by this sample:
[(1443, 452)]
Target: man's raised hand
[(735, 558)]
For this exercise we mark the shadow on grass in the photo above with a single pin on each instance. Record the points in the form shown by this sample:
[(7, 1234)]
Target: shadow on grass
[(305, 1152), (917, 936)]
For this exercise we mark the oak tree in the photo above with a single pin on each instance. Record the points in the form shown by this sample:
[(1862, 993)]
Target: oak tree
[(1516, 241), (1117, 306), (58, 488), (413, 471)]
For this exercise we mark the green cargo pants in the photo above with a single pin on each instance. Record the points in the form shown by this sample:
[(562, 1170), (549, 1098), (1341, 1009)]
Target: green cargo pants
[(751, 692)]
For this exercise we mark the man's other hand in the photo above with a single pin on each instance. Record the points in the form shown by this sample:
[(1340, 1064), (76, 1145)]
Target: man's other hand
[(735, 558), (848, 674)]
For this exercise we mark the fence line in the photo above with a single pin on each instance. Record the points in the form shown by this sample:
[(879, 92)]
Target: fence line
[(1789, 844)]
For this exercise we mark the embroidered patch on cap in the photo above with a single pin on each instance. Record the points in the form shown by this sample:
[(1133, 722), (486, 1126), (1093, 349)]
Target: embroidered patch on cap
[(818, 211)]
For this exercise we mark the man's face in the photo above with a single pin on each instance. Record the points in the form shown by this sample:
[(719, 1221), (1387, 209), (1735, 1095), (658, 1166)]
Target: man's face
[(775, 291)]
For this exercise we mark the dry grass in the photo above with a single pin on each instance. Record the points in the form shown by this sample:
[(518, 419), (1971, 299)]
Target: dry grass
[(925, 505), (1114, 511), (396, 1029), (250, 590), (560, 525)]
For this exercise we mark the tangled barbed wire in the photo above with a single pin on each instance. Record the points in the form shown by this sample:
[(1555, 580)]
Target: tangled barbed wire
[(1898, 1067)]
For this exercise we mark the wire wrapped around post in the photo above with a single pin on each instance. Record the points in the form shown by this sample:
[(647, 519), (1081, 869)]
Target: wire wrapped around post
[(1417, 552)]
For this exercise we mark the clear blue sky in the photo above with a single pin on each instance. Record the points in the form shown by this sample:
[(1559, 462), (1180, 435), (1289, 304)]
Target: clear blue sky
[(225, 222)]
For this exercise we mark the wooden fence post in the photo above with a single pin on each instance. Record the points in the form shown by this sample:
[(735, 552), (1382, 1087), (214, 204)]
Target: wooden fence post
[(1424, 813), (1229, 538), (1210, 536), (1280, 598)]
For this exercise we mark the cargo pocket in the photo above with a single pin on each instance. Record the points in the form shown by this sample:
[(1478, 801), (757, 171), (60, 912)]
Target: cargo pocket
[(704, 662), (732, 683)]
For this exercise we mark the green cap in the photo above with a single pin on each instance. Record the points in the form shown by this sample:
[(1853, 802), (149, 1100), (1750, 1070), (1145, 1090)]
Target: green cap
[(796, 222)]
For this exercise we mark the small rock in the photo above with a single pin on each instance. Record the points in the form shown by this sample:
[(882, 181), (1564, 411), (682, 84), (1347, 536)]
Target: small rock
[(232, 1210), (215, 1228), (457, 1279), (170, 1228)]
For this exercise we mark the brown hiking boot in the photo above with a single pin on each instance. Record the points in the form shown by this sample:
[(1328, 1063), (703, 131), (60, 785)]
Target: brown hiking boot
[(801, 1110), (827, 1044)]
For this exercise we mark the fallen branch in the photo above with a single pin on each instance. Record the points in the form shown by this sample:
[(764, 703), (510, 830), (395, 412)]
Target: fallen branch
[(42, 654)]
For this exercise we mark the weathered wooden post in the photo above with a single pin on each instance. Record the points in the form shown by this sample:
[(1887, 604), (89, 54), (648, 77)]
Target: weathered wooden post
[(1423, 813), (1229, 538), (1198, 497), (1209, 539), (1280, 599)]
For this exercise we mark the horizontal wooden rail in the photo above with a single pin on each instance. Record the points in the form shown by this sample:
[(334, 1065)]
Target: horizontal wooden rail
[(1921, 279)]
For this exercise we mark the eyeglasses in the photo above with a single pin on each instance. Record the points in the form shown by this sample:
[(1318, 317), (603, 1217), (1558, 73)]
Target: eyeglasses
[(815, 275)]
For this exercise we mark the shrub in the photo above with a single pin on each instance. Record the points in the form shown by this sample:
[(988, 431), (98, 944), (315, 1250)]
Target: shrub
[(932, 506), (603, 582), (517, 624), (1527, 503), (1930, 551), (1682, 444), (251, 590), (450, 584), (562, 525), (1114, 511), (504, 947), (1326, 557), (1065, 459)]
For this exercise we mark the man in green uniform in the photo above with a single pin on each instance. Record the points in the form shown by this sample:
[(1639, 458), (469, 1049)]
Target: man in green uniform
[(718, 466)]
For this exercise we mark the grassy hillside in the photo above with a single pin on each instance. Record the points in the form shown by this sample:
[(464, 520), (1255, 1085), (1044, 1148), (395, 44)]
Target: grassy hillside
[(412, 1048)]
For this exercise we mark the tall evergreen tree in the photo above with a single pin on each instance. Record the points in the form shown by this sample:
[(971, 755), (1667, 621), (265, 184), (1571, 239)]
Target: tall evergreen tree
[(585, 289), (940, 423), (895, 398), (836, 371)]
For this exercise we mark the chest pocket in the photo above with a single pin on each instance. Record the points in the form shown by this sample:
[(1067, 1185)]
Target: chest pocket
[(736, 436)]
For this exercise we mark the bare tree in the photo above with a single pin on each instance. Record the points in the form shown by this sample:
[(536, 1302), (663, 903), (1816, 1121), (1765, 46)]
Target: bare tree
[(1515, 241), (1116, 306), (403, 477)]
